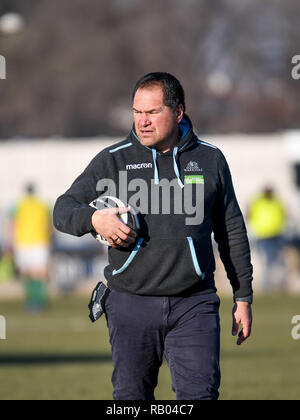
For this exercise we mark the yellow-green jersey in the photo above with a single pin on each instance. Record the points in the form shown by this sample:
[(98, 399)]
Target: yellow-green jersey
[(267, 217), (32, 223)]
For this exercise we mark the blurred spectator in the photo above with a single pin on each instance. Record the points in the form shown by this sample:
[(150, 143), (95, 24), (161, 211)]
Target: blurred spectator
[(6, 267), (32, 233), (267, 219)]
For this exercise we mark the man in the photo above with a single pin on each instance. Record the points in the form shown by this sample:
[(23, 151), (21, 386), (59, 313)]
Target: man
[(163, 298), (32, 233), (267, 220)]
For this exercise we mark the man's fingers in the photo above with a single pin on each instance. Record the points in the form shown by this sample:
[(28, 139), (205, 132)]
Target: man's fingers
[(235, 327), (127, 234), (122, 235), (123, 231), (119, 238), (244, 334), (127, 237), (241, 315), (242, 337), (111, 243), (121, 210), (247, 330), (130, 234), (108, 224)]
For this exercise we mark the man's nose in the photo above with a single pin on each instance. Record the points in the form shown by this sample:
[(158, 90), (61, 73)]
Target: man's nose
[(145, 121)]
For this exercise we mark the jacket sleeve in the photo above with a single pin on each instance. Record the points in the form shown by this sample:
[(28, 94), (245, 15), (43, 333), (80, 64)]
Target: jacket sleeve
[(231, 235), (72, 213)]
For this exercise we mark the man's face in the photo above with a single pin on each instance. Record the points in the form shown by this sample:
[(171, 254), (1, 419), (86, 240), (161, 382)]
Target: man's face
[(156, 124)]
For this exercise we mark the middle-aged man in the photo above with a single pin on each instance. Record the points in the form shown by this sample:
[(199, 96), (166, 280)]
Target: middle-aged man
[(162, 296)]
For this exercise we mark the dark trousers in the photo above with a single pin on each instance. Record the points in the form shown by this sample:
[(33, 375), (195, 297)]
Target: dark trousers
[(144, 328)]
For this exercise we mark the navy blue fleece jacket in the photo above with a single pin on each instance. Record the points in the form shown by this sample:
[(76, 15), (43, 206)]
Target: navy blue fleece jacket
[(172, 256)]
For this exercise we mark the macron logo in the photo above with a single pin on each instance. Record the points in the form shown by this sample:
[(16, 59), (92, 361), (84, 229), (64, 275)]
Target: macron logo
[(139, 166)]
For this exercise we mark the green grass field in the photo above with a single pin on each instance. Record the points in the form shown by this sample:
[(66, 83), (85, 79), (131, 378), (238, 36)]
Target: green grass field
[(62, 355)]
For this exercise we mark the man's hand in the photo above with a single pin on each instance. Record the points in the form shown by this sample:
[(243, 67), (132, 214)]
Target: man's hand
[(241, 314), (107, 224)]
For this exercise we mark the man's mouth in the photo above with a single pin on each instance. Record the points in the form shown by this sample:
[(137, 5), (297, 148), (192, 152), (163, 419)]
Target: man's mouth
[(145, 132)]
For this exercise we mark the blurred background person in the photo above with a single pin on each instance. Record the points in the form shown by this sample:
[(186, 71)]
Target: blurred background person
[(32, 234), (267, 219), (7, 267)]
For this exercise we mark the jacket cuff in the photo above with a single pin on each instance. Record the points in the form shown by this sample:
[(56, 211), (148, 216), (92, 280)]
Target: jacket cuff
[(87, 220), (248, 299)]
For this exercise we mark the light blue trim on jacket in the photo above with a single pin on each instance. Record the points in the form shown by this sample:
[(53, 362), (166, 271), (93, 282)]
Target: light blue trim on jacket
[(129, 259), (154, 154), (194, 257), (120, 147), (176, 170), (206, 144)]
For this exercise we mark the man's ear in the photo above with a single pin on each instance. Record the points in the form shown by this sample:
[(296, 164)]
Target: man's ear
[(179, 113)]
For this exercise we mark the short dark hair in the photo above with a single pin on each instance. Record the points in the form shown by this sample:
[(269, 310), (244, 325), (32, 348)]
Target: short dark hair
[(172, 89), (30, 188)]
